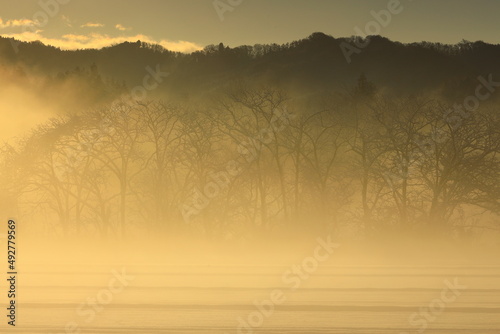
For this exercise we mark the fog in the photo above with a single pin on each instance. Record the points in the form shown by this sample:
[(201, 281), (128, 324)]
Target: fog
[(191, 285), (219, 193), (17, 118)]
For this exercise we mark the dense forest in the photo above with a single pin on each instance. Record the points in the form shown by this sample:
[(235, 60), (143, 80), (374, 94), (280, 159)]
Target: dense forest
[(237, 143)]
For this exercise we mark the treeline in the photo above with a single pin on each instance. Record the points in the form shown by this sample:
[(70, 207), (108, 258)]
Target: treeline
[(315, 64), (259, 161)]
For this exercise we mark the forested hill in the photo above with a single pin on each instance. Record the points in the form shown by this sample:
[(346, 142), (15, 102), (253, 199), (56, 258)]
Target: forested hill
[(316, 64)]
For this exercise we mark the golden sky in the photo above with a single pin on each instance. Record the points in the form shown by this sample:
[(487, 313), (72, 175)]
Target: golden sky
[(189, 25)]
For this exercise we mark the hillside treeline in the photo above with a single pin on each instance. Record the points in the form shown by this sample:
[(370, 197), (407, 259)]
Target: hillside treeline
[(313, 65)]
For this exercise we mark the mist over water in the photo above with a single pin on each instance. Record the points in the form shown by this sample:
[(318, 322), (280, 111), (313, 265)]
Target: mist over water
[(196, 286)]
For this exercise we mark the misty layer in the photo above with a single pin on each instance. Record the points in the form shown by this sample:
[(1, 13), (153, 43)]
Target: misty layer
[(249, 158)]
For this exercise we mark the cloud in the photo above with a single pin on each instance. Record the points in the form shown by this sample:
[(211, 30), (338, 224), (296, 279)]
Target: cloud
[(92, 25), (98, 41), (66, 20), (16, 23), (181, 46), (121, 27), (77, 38)]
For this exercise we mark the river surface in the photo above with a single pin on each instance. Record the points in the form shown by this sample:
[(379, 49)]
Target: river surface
[(225, 299)]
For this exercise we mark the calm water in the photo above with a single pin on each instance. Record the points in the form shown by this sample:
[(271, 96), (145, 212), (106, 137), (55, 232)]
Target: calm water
[(213, 299)]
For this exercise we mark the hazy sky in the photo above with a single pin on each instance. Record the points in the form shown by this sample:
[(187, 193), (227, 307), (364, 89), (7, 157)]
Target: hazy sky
[(187, 25)]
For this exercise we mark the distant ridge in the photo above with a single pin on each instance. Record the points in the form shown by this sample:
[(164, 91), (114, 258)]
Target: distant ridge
[(316, 63)]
